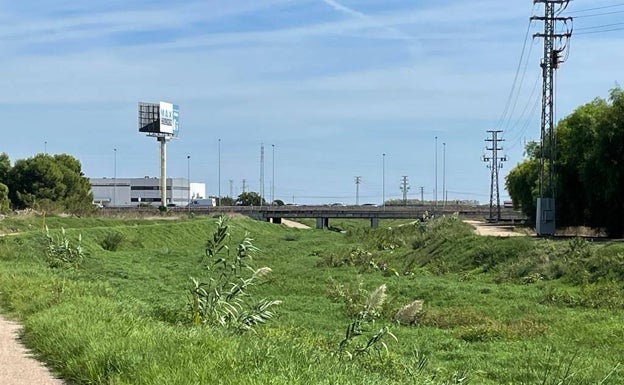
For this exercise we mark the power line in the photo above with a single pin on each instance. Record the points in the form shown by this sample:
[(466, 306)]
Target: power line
[(598, 26), (598, 14), (596, 8), (513, 85), (524, 128), (513, 109), (602, 31), (535, 100)]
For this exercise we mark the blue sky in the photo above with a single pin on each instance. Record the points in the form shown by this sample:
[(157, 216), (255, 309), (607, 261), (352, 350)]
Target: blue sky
[(332, 84)]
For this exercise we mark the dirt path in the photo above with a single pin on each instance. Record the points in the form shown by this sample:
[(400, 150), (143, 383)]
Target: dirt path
[(496, 230), (294, 224), (17, 367)]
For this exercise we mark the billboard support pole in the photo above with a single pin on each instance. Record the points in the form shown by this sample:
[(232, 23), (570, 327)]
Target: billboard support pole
[(163, 171), (162, 121)]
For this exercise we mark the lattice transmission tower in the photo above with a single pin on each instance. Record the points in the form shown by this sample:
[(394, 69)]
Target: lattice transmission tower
[(495, 162), (555, 53)]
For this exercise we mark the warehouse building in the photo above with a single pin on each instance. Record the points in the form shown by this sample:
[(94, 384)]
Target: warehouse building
[(130, 192)]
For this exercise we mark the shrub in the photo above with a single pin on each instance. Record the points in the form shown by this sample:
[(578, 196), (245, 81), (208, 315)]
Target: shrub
[(603, 295), (60, 252), (112, 241), (454, 317), (356, 341), (410, 314), (352, 296), (560, 297), (290, 237), (221, 299)]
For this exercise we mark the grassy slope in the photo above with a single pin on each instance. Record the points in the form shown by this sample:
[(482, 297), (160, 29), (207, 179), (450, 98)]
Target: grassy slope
[(121, 317)]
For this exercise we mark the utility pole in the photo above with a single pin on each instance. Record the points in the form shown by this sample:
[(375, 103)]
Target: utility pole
[(383, 180), (358, 180), (444, 174), (219, 156), (261, 173), (422, 195), (555, 44), (493, 165), (435, 190), (404, 188), (273, 174), (115, 179), (244, 185), (231, 188)]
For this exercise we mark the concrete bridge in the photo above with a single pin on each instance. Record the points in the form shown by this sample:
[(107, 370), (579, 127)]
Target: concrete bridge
[(323, 214)]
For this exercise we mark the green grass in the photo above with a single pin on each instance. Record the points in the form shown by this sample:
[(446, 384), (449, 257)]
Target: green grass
[(506, 311)]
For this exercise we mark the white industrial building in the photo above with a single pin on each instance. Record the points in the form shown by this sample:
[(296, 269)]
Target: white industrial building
[(128, 192)]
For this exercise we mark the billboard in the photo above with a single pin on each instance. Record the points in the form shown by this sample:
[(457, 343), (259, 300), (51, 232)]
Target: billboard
[(159, 118)]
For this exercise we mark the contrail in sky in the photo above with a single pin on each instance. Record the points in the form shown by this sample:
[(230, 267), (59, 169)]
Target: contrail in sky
[(394, 32), (344, 9)]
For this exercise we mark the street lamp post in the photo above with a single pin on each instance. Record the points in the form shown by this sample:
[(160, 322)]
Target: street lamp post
[(219, 197), (444, 174), (115, 178), (273, 174), (45, 147), (383, 180), (435, 190), (188, 179)]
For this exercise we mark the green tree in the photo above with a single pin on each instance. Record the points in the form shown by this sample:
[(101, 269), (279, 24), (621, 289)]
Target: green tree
[(50, 183), (78, 197), (576, 135), (4, 199), (227, 201), (36, 182), (589, 168), (5, 167), (607, 167), (522, 183), (250, 198)]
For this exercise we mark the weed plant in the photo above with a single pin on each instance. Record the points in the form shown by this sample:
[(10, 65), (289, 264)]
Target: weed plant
[(112, 241), (61, 252), (350, 346), (223, 299)]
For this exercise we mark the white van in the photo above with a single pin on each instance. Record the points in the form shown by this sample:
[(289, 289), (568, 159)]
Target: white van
[(210, 202)]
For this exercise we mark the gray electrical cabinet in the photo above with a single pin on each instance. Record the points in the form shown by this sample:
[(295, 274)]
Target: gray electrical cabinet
[(545, 221)]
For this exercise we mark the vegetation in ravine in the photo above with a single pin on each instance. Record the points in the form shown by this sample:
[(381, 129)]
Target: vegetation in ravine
[(489, 310)]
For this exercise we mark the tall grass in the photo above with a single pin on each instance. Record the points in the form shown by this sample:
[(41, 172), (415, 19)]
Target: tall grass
[(121, 318)]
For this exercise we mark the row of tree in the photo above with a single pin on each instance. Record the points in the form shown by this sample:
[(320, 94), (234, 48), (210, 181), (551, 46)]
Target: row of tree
[(248, 198), (589, 168), (44, 182)]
